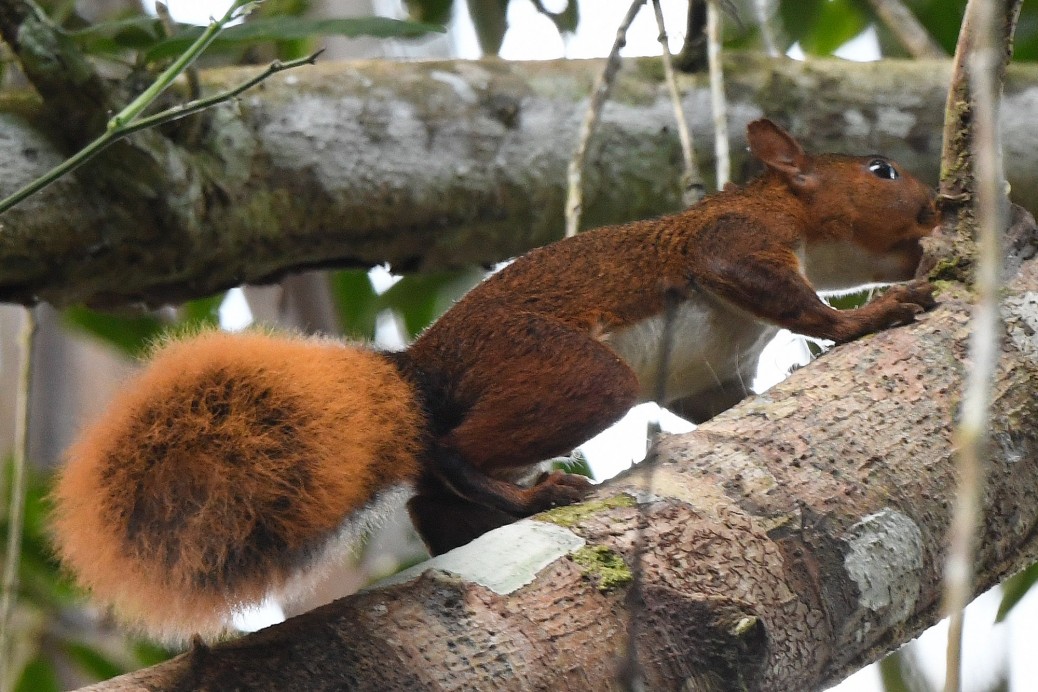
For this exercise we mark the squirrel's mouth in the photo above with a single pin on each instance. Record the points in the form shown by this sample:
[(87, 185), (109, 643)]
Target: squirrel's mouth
[(929, 214)]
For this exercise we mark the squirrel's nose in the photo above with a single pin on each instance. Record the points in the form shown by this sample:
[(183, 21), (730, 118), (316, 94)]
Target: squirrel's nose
[(929, 212)]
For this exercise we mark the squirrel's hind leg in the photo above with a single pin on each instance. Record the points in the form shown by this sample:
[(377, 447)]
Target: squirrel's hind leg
[(535, 388)]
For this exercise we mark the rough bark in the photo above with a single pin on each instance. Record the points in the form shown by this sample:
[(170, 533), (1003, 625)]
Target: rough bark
[(791, 540), (958, 179), (426, 166)]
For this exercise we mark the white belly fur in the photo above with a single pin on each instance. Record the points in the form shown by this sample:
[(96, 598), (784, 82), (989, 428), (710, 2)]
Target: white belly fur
[(713, 344)]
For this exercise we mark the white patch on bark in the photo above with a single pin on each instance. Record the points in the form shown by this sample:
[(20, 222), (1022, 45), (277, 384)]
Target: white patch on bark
[(461, 87), (503, 560), (895, 121), (885, 559), (855, 123), (1020, 139), (1020, 313)]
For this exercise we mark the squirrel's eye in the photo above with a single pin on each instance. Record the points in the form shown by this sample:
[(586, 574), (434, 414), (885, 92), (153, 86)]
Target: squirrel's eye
[(882, 169)]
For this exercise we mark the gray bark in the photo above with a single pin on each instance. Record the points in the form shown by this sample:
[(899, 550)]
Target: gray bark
[(425, 166)]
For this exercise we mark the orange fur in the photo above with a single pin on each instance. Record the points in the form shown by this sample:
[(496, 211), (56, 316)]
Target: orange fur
[(228, 465)]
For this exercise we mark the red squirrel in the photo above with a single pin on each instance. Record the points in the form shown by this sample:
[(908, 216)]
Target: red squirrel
[(234, 464)]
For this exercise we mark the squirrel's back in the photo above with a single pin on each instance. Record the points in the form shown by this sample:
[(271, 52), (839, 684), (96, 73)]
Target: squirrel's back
[(227, 467)]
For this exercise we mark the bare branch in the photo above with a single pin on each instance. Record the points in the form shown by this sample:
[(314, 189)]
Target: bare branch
[(718, 101), (908, 29), (987, 51), (692, 180), (16, 494), (765, 11), (575, 194)]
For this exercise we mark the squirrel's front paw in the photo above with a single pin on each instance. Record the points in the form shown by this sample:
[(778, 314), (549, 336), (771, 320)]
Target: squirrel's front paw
[(905, 301), (557, 489), (916, 292)]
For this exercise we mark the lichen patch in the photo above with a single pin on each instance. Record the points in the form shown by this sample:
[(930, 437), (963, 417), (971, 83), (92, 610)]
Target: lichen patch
[(603, 566), (885, 559), (503, 560)]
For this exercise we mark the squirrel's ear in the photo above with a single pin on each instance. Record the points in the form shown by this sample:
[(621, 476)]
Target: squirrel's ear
[(777, 150)]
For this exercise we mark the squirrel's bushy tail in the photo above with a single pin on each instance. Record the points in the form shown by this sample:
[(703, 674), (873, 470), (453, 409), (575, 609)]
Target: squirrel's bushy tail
[(230, 463)]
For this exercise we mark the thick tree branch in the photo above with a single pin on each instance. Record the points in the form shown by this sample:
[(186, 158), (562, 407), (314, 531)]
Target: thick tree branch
[(76, 96), (424, 166), (129, 121), (792, 539)]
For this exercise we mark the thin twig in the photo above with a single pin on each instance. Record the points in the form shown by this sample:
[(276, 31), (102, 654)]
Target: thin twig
[(765, 10), (718, 102), (908, 29), (692, 180), (176, 112), (984, 63), (631, 677), (194, 87), (119, 125), (16, 500), (169, 75), (182, 110), (574, 194)]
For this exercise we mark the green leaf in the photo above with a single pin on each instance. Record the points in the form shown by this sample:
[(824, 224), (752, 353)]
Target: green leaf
[(129, 333), (357, 302), (575, 463), (38, 676), (822, 26), (284, 8), (849, 301), (137, 31), (40, 580), (1014, 589), (837, 23), (202, 312), (566, 20), (430, 11), (942, 19), (798, 16), (92, 661), (490, 18), (290, 29), (133, 334), (149, 654), (421, 298)]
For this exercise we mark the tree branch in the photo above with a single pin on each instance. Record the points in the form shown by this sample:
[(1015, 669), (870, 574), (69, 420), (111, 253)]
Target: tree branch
[(424, 165), (15, 495), (126, 122), (599, 94), (907, 28), (75, 96), (691, 177)]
